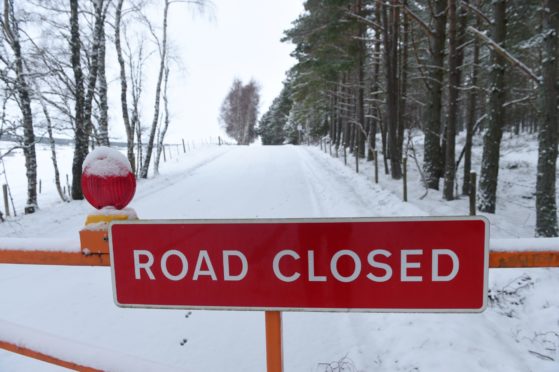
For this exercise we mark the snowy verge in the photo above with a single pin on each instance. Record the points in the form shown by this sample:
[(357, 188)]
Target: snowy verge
[(75, 352), (525, 244)]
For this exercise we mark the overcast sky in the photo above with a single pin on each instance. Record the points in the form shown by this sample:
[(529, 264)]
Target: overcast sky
[(241, 39)]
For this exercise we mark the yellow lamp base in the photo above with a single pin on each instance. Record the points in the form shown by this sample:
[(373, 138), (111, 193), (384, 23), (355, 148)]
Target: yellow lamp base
[(94, 237)]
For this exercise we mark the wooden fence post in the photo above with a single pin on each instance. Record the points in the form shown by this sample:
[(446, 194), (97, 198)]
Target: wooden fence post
[(356, 154), (345, 155), (6, 204), (40, 186), (376, 165), (68, 184), (330, 144), (405, 177), (183, 146), (164, 155), (472, 193)]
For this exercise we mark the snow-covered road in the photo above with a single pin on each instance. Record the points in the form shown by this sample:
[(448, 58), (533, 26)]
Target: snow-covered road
[(269, 182)]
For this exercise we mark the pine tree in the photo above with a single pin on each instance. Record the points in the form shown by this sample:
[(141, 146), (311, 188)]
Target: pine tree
[(546, 205), (496, 116)]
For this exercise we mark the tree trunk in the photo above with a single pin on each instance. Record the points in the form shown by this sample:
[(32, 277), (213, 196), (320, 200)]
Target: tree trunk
[(80, 135), (163, 53), (496, 116), (376, 75), (11, 32), (546, 205), (124, 89), (403, 80), (163, 131), (471, 115), (84, 100), (53, 153), (360, 107), (391, 29), (103, 105), (432, 162), (453, 82)]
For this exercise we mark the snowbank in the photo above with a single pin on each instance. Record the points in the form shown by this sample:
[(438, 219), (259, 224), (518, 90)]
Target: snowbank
[(525, 244), (76, 352)]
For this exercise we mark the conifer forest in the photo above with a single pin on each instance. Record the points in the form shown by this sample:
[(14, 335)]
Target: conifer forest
[(369, 73)]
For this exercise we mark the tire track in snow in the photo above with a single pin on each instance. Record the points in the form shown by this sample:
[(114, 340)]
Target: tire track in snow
[(171, 180), (341, 193), (312, 187)]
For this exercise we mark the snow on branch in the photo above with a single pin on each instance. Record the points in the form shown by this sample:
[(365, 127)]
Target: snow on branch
[(477, 11), (515, 62), (419, 21)]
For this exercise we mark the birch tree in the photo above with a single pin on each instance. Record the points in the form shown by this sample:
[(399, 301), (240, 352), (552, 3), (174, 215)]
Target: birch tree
[(11, 33)]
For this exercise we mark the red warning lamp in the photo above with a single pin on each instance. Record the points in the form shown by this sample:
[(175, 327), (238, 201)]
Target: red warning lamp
[(109, 185), (107, 179), (114, 191)]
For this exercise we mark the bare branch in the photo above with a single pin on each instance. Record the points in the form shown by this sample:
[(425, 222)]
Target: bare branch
[(515, 62)]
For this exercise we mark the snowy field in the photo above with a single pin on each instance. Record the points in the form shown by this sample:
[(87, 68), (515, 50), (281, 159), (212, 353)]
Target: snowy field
[(518, 332)]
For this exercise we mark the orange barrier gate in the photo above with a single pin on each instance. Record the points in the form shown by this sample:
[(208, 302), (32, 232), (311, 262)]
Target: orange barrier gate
[(497, 259)]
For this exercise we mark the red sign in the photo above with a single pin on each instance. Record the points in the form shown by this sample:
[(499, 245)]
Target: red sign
[(412, 264)]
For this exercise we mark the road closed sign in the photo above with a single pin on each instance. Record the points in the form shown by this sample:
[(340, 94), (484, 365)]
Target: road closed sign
[(397, 264)]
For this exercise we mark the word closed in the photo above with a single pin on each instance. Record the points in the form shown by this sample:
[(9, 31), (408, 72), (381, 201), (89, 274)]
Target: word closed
[(420, 264)]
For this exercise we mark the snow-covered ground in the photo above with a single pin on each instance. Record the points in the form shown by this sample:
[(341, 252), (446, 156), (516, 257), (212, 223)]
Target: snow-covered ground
[(518, 332)]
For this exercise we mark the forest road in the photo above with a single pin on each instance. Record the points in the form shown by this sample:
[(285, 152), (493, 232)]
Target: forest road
[(269, 182)]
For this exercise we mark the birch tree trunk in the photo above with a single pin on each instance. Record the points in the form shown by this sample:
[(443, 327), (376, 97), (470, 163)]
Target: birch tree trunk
[(11, 32), (84, 99), (103, 105), (53, 153), (124, 89), (80, 134), (163, 131), (162, 53)]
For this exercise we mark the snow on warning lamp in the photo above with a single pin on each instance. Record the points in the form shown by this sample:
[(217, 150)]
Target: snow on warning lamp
[(107, 179), (109, 185)]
